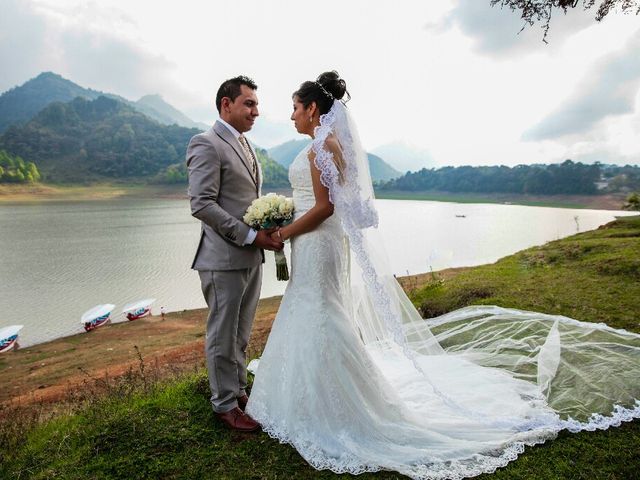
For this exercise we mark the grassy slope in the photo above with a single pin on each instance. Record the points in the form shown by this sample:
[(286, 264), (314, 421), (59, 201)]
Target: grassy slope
[(168, 431), (593, 276)]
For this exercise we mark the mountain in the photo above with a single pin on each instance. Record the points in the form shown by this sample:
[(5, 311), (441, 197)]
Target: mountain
[(85, 140), (405, 157), (20, 104), (268, 132), (152, 105), (285, 153), (274, 175), (380, 170), (92, 140)]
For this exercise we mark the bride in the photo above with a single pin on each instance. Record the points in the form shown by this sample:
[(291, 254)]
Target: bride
[(356, 381)]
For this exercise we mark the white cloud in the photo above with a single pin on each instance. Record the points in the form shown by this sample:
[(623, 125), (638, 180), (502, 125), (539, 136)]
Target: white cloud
[(501, 32), (22, 35), (90, 44), (453, 78), (610, 88)]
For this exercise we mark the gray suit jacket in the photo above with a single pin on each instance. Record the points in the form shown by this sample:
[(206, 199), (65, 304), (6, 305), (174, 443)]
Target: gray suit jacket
[(221, 188)]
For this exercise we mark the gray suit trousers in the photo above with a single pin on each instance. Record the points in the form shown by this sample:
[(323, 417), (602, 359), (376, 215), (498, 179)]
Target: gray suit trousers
[(232, 297)]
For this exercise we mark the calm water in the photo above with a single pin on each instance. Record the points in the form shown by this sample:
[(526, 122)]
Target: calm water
[(59, 260)]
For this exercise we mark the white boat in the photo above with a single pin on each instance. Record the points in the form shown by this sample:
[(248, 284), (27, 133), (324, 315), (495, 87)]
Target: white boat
[(9, 337), (139, 309), (97, 316)]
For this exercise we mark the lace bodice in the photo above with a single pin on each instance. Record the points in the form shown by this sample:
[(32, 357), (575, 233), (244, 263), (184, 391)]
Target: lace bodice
[(302, 184), (300, 179)]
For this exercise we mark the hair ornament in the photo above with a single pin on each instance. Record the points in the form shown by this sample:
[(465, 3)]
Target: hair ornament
[(324, 90)]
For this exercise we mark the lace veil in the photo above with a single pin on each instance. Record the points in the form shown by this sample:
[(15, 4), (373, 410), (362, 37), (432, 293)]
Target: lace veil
[(589, 373)]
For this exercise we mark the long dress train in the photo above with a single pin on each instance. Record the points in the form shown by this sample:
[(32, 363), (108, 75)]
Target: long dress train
[(487, 382)]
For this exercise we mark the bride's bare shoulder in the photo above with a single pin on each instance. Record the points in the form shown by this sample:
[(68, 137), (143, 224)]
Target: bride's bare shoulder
[(332, 144)]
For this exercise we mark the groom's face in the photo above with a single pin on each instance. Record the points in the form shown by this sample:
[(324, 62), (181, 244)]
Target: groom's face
[(242, 112)]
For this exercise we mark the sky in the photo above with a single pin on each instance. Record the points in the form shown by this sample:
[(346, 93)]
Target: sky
[(455, 81)]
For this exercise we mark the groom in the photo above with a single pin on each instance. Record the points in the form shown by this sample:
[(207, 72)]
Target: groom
[(224, 178)]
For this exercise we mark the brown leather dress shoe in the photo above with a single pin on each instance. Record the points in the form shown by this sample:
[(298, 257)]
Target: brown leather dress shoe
[(238, 420), (242, 402)]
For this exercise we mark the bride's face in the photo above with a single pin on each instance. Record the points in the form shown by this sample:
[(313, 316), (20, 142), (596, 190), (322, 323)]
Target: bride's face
[(300, 117)]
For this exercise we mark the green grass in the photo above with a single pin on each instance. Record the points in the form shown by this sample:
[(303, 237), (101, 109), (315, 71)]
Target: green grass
[(170, 433), (593, 276), (167, 430)]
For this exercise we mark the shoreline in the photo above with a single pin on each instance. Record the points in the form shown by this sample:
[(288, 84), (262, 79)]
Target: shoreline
[(51, 193), (45, 372), (612, 201), (45, 193)]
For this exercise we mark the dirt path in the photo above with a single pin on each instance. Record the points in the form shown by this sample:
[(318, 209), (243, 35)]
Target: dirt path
[(48, 371)]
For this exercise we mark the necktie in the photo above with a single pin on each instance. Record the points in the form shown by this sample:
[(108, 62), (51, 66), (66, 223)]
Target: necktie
[(249, 156)]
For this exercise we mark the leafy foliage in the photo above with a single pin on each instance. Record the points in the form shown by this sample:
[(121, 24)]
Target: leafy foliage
[(566, 178), (173, 175), (633, 202), (14, 169), (533, 11), (621, 178), (274, 175)]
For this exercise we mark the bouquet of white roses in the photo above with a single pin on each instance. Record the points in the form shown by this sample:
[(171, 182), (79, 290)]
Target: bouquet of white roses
[(269, 211)]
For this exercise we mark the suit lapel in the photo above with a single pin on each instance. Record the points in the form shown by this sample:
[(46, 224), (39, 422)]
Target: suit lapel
[(224, 133)]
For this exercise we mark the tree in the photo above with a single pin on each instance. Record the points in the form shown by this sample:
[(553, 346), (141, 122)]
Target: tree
[(633, 202), (33, 175), (124, 137), (14, 169), (532, 11)]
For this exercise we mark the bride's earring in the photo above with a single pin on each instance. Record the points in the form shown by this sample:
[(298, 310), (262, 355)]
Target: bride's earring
[(310, 119)]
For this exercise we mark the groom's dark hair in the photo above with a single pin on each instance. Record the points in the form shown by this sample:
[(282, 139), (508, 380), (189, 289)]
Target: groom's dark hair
[(231, 88)]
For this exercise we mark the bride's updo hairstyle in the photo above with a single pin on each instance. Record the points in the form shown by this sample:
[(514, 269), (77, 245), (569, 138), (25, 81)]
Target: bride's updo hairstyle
[(327, 88)]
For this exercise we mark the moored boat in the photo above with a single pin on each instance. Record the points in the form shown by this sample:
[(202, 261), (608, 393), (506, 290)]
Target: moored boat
[(97, 316), (139, 309), (9, 337)]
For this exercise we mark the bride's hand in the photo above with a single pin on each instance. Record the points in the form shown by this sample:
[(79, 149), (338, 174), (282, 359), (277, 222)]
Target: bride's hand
[(277, 236)]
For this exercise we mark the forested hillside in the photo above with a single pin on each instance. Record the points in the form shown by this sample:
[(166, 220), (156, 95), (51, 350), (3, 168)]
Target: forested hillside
[(90, 140), (566, 178), (86, 140)]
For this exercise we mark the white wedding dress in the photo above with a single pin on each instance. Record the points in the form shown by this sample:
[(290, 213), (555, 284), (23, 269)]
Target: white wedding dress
[(463, 402)]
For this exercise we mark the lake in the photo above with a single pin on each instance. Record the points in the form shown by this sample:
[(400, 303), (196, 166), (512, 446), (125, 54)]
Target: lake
[(57, 260)]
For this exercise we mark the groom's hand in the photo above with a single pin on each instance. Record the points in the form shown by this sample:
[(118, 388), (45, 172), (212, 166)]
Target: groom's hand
[(264, 240)]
